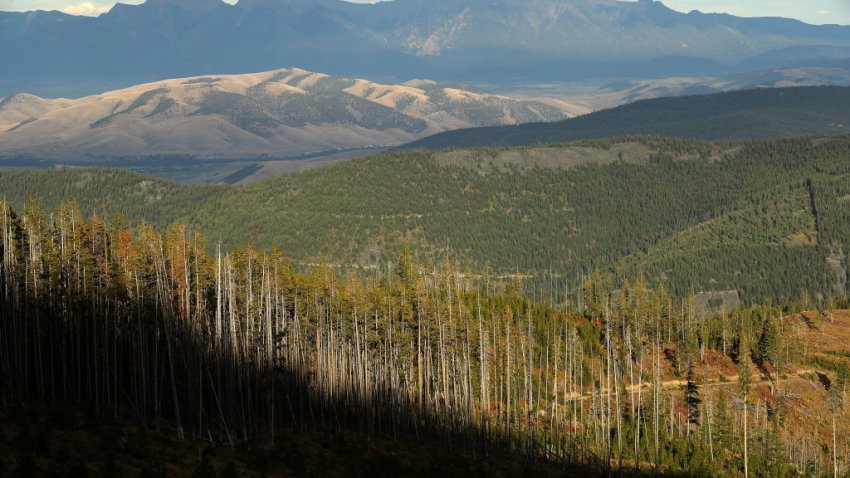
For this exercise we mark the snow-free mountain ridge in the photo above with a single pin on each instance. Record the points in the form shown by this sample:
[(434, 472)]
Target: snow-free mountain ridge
[(278, 113), (489, 41)]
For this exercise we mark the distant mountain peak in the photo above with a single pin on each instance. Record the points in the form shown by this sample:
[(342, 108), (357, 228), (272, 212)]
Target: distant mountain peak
[(191, 5), (493, 41), (19, 98), (272, 3), (185, 3)]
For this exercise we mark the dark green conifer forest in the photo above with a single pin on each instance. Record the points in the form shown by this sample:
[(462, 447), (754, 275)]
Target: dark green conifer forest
[(765, 219)]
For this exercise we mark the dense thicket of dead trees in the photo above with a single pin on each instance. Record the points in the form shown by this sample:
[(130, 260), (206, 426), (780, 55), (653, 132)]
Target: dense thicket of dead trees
[(227, 346)]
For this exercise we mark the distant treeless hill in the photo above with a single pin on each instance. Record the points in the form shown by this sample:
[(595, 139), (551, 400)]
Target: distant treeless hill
[(749, 114), (277, 113)]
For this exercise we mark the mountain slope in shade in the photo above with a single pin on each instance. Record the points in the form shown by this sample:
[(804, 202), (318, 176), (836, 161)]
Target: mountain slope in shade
[(494, 41), (747, 114), (278, 113)]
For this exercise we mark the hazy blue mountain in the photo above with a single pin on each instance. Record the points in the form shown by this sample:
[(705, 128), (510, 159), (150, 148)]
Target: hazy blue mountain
[(813, 72), (490, 40), (797, 55)]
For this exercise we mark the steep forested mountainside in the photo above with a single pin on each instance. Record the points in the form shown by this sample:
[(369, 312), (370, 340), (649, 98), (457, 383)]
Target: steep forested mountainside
[(768, 219)]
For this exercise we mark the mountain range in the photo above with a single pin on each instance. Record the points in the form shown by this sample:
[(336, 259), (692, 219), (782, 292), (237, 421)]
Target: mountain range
[(498, 41), (279, 113)]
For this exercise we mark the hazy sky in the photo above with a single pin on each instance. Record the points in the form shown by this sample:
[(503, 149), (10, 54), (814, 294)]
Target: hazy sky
[(812, 11)]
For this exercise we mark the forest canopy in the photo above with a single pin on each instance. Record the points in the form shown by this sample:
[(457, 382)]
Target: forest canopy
[(766, 219)]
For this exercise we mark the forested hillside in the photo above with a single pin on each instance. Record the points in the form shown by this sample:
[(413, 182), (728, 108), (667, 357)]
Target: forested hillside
[(749, 114), (234, 348), (768, 219)]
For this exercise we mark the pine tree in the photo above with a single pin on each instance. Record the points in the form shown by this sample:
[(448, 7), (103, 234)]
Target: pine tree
[(744, 384), (769, 342), (775, 460), (723, 423), (692, 397)]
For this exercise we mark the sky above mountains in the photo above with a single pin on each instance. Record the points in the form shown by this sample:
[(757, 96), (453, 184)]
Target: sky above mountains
[(810, 11)]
